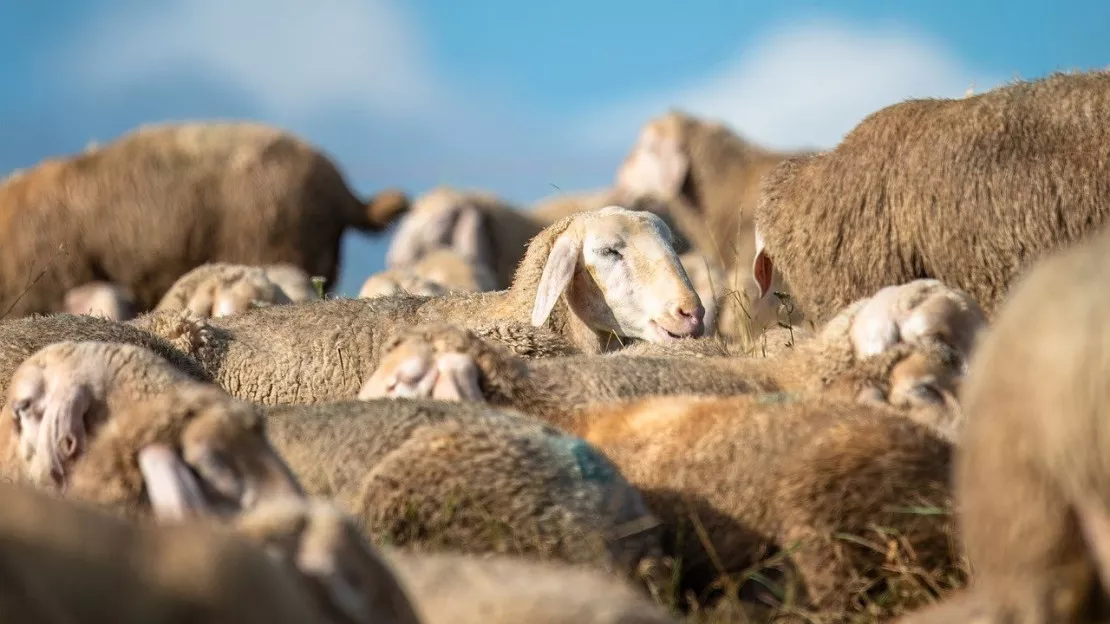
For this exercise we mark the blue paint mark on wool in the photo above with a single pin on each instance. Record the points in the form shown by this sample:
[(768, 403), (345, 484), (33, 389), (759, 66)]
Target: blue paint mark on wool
[(592, 465)]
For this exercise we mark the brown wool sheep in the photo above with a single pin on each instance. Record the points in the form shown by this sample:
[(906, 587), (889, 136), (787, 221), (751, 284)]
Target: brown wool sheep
[(710, 167), (968, 191), (217, 289), (918, 370), (584, 279), (438, 588), (64, 561), (103, 299), (450, 588), (160, 200), (768, 473), (467, 478), (1032, 476)]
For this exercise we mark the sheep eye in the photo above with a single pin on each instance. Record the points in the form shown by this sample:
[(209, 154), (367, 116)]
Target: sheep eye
[(214, 469), (609, 252)]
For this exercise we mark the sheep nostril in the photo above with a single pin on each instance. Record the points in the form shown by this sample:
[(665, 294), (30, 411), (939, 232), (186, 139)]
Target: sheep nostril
[(68, 446)]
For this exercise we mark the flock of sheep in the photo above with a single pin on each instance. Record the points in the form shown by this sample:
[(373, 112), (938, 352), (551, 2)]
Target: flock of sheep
[(862, 384)]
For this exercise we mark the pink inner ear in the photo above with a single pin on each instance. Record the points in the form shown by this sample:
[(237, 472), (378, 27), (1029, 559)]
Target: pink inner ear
[(762, 270)]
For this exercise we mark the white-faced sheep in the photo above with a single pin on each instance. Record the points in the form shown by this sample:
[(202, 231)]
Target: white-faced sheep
[(488, 232), (437, 272), (589, 281), (293, 281), (64, 561), (819, 480), (93, 420), (968, 191), (103, 299), (218, 289), (1031, 477), (441, 360), (221, 191)]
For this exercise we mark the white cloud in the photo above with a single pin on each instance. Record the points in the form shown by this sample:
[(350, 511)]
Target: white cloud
[(292, 57), (804, 85)]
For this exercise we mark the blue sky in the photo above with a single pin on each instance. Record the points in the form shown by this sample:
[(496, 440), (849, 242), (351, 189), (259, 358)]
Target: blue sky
[(516, 97)]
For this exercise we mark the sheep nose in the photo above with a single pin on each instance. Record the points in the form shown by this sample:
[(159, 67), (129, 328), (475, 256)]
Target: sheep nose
[(692, 317)]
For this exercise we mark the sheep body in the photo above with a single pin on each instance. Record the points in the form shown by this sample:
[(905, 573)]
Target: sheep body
[(156, 202), (1031, 477), (465, 477), (63, 561), (323, 350), (968, 191), (775, 471)]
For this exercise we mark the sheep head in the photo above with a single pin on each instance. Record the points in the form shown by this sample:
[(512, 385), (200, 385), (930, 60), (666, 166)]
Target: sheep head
[(618, 272), (433, 360), (443, 217), (234, 291), (111, 301), (347, 577), (657, 162), (190, 450), (399, 281)]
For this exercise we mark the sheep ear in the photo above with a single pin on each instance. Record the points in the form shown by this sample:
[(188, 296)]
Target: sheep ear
[(556, 275), (173, 491), (471, 237), (762, 267), (64, 422), (657, 165)]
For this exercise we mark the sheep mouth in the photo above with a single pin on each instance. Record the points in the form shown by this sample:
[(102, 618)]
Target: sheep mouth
[(665, 335)]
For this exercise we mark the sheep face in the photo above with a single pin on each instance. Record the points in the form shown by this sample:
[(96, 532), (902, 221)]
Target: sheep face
[(235, 294), (105, 299), (657, 162), (399, 282), (350, 581), (441, 218), (619, 273), (433, 363), (51, 415)]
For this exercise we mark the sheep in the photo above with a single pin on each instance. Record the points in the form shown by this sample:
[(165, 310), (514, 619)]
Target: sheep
[(489, 232), (400, 281), (585, 279), (1031, 476), (60, 395), (455, 589), (119, 426), (158, 201), (787, 472), (437, 272), (293, 281), (103, 299), (708, 165), (553, 207), (168, 334), (64, 561), (914, 370), (441, 587), (217, 289), (969, 191), (463, 477)]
